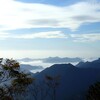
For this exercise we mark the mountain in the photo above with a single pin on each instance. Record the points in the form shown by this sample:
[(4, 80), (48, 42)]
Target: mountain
[(25, 59), (61, 60), (93, 64), (74, 81), (52, 60), (28, 67)]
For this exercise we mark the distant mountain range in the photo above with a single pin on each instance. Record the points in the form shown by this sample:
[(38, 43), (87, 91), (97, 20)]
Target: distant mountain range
[(61, 60), (74, 80), (53, 60), (92, 64), (27, 67), (25, 59)]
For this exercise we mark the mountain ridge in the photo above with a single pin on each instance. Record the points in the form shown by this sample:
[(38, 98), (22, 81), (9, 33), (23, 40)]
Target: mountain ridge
[(74, 81), (53, 59)]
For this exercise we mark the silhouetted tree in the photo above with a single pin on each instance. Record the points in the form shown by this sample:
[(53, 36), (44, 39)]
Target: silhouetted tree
[(12, 80), (14, 83), (46, 88), (94, 92), (52, 83)]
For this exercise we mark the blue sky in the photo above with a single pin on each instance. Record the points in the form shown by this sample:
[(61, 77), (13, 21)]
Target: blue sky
[(43, 28)]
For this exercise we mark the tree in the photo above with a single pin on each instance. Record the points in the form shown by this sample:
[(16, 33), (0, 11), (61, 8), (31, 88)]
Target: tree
[(45, 89), (12, 80), (94, 92), (15, 83), (52, 83)]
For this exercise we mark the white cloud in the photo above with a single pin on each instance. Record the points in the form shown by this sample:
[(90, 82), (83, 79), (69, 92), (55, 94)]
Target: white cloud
[(49, 34), (90, 37), (86, 37), (16, 15)]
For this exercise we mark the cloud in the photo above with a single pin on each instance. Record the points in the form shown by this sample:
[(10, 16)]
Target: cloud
[(49, 34), (17, 15), (44, 22), (92, 37), (84, 18)]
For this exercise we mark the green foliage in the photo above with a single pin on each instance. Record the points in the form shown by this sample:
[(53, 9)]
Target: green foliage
[(4, 93), (10, 65), (10, 71), (7, 98), (21, 82), (94, 92)]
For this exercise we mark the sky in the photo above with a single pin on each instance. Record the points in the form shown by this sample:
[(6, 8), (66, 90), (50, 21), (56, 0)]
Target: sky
[(43, 28)]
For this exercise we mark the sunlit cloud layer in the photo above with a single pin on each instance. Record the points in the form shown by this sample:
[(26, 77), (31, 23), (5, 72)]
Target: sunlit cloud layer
[(49, 34), (92, 37), (17, 15)]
